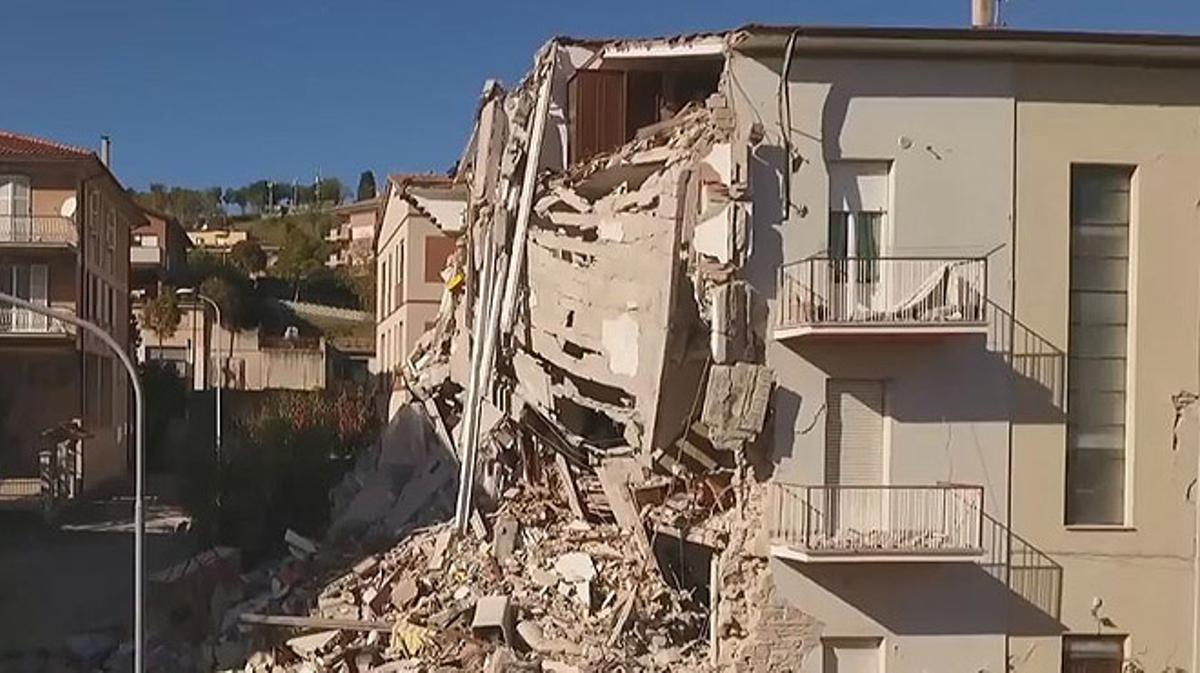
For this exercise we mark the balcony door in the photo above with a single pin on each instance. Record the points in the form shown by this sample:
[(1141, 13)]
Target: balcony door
[(854, 457), (15, 208), (858, 210), (31, 283)]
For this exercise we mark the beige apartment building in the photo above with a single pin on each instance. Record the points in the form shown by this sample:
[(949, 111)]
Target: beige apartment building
[(421, 214), (970, 260), (354, 234), (983, 289), (65, 225)]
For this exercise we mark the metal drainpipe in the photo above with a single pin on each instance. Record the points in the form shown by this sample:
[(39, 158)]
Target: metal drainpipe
[(784, 105), (1012, 375)]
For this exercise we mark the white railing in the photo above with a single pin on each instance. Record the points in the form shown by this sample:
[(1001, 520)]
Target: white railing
[(864, 520), (23, 321), (888, 291), (42, 229)]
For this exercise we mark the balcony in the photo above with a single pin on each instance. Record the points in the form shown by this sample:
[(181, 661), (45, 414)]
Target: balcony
[(885, 296), (37, 231), (23, 322), (145, 255), (816, 524)]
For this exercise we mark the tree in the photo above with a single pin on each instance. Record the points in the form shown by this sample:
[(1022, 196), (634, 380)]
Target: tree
[(249, 256), (162, 315), (366, 186), (302, 256), (330, 190)]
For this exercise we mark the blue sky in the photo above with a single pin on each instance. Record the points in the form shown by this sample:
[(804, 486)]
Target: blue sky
[(221, 92)]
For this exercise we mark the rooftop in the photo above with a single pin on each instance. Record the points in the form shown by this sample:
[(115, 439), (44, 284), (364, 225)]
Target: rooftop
[(18, 145)]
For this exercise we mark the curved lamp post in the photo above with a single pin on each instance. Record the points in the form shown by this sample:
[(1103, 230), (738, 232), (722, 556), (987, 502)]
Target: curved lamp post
[(139, 520), (189, 292)]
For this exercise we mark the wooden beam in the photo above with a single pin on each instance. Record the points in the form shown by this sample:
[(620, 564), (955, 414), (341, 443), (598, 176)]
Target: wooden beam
[(314, 622)]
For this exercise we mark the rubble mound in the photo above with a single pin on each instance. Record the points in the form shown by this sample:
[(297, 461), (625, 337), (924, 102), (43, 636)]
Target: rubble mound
[(550, 592)]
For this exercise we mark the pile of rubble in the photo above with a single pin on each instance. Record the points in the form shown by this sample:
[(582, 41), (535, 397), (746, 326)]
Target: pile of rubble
[(547, 591)]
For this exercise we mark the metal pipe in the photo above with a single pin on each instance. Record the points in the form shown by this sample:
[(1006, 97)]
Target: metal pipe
[(139, 521)]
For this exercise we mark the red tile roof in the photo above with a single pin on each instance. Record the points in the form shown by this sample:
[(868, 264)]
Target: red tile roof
[(17, 145)]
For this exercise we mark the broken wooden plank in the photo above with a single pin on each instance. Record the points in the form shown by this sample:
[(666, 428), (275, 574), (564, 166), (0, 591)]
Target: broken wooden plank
[(314, 622), (572, 490), (622, 618)]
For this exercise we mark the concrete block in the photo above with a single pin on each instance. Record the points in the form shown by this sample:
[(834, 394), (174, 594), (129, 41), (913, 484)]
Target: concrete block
[(493, 619)]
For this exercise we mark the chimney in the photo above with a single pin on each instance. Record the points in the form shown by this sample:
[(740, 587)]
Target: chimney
[(983, 13), (106, 150)]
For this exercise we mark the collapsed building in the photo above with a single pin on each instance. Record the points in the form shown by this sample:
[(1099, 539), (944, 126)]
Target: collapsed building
[(745, 308)]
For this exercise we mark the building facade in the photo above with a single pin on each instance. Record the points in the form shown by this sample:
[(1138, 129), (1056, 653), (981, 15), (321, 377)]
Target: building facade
[(983, 299), (65, 225), (421, 214)]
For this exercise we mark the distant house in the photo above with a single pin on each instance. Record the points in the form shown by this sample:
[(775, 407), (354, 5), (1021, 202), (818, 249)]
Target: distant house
[(421, 217), (65, 224), (157, 253), (217, 240), (354, 234)]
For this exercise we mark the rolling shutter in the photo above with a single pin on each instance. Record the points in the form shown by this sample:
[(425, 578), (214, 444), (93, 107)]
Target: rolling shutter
[(597, 109), (854, 433)]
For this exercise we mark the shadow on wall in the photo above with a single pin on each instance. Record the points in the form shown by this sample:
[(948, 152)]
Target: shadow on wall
[(931, 598), (1039, 365), (1029, 572)]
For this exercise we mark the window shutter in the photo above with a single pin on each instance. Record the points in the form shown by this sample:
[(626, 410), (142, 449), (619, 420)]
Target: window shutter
[(597, 109), (39, 284), (21, 203), (854, 433)]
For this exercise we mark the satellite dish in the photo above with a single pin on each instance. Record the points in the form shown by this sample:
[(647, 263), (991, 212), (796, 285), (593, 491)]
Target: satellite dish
[(68, 207)]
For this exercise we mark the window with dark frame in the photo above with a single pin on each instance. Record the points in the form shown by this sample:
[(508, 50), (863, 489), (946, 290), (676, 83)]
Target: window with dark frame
[(1093, 654), (1097, 344)]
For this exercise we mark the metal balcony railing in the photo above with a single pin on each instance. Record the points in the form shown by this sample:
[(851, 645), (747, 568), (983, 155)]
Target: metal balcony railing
[(23, 321), (886, 292), (877, 520), (38, 229)]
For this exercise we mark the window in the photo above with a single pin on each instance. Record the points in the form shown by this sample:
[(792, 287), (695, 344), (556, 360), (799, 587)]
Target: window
[(15, 207), (398, 290), (1097, 344), (1093, 654), (25, 281), (383, 289), (438, 249)]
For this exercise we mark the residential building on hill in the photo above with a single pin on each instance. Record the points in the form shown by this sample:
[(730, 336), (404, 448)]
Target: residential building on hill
[(65, 224), (354, 234), (420, 219)]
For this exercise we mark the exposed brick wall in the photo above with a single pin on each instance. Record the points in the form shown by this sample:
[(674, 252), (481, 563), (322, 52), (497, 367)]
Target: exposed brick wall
[(779, 635)]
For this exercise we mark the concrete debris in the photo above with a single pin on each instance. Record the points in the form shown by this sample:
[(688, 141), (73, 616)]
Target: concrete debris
[(493, 619), (313, 644)]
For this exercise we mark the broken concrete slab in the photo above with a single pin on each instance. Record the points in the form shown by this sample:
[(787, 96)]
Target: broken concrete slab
[(504, 537), (736, 401), (311, 645), (405, 592), (576, 566), (366, 567), (532, 635)]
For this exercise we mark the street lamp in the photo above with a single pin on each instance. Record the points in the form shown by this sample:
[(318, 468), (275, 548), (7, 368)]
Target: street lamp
[(189, 292), (139, 521)]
